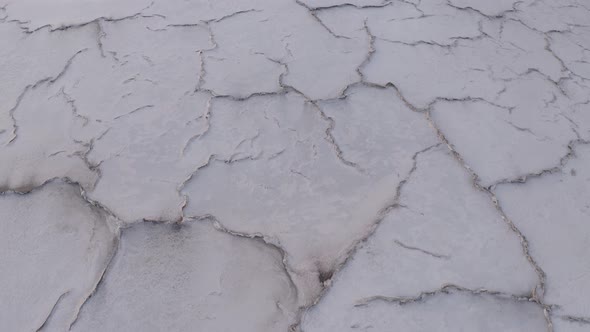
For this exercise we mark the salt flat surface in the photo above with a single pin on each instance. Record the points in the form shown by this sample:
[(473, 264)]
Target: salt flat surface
[(295, 165)]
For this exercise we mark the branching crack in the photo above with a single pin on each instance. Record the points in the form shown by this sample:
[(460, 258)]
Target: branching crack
[(48, 80), (284, 88), (313, 13)]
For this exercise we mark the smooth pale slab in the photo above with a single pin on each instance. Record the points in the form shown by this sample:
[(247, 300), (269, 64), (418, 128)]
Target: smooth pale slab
[(54, 248)]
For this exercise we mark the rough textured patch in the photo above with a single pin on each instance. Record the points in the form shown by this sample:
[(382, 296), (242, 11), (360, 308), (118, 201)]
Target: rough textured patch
[(178, 277), (55, 247)]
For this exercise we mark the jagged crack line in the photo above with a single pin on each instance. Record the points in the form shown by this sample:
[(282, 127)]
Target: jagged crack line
[(445, 289), (52, 310)]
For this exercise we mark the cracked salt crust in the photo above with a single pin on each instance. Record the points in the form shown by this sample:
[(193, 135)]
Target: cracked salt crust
[(295, 165)]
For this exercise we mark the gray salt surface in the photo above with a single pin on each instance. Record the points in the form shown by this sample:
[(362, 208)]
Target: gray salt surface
[(295, 165)]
